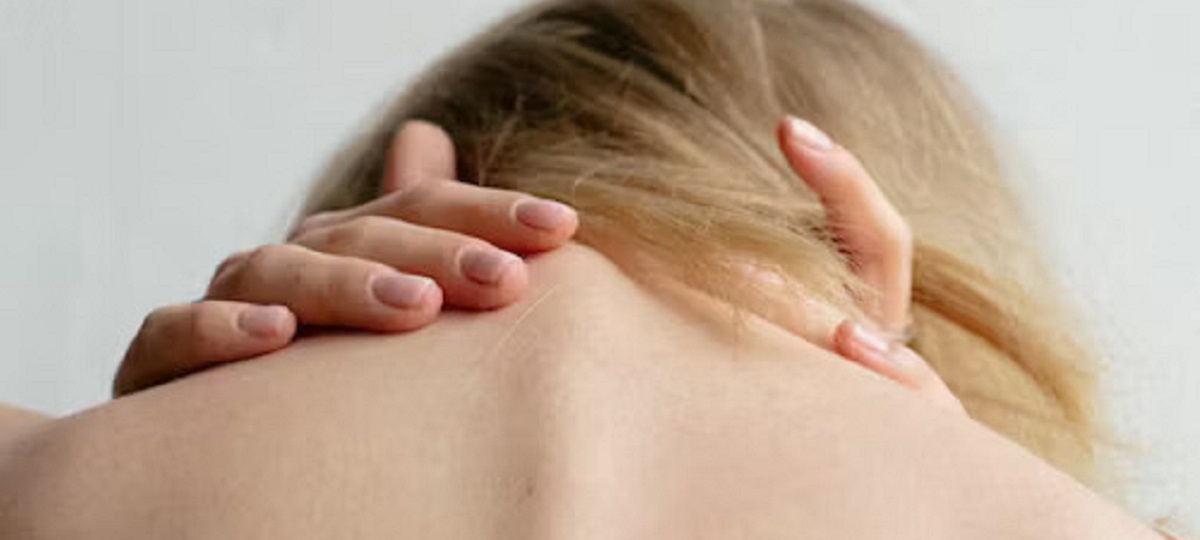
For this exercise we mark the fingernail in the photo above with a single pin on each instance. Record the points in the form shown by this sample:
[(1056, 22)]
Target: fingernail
[(263, 321), (486, 266), (546, 215), (808, 135), (400, 291), (869, 340)]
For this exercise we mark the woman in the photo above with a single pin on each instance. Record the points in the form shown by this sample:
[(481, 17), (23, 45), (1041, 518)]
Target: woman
[(623, 396)]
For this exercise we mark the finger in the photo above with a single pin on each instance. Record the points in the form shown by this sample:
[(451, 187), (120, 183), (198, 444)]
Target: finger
[(419, 187), (420, 152), (510, 220), (330, 290), (177, 340), (470, 272), (892, 361), (230, 262), (804, 315), (864, 222)]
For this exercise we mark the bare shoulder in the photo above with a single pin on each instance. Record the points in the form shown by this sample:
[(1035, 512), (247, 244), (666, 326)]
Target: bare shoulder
[(587, 411), (16, 425), (15, 421)]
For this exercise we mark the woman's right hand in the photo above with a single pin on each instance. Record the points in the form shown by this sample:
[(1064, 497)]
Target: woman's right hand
[(388, 265)]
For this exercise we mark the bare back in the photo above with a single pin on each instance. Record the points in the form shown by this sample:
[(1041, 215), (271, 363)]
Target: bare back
[(590, 410)]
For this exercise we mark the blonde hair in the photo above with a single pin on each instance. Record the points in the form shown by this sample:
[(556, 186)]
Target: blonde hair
[(653, 118)]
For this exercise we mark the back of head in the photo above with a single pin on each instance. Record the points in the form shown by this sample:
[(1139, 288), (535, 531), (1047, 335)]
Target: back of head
[(653, 118)]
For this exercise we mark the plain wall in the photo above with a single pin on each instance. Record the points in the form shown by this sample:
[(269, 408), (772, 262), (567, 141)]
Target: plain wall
[(142, 141)]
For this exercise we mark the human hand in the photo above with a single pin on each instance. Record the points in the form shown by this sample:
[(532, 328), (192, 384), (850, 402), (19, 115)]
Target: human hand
[(387, 265), (878, 243)]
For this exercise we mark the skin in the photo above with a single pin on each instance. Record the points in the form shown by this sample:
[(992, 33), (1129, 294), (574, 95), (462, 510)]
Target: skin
[(181, 339), (585, 409), (424, 229), (591, 408)]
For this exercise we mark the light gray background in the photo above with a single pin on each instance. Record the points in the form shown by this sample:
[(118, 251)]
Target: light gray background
[(143, 140)]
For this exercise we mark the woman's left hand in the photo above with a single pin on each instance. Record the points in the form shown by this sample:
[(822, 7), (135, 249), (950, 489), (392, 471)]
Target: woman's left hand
[(878, 243)]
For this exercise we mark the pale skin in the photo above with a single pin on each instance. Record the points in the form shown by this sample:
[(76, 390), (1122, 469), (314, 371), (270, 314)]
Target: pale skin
[(420, 167), (589, 408)]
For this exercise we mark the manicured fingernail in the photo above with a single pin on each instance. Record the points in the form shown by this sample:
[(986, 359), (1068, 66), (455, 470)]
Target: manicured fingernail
[(869, 340), (540, 214), (486, 266), (808, 135), (400, 290), (263, 321)]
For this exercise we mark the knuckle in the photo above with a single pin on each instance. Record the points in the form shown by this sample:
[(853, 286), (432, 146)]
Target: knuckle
[(226, 282), (309, 224), (342, 239), (230, 263), (414, 196), (310, 238), (370, 226), (414, 203), (354, 235), (271, 255), (259, 264), (155, 321)]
